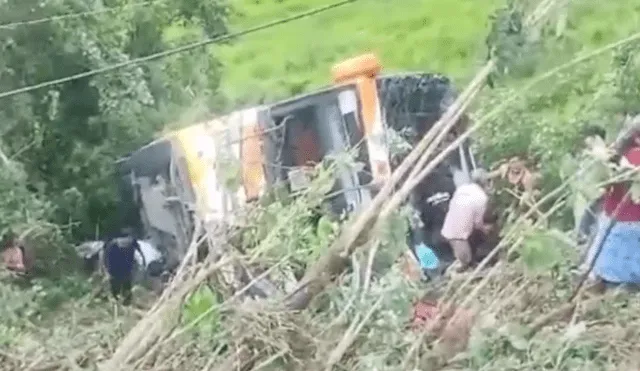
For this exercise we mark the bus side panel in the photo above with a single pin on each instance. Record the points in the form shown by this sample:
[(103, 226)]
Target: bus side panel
[(253, 175), (204, 146), (181, 172), (231, 148), (190, 140), (198, 149), (373, 128)]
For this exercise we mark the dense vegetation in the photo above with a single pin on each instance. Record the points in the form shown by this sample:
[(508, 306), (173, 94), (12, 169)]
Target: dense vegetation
[(58, 145), (65, 137)]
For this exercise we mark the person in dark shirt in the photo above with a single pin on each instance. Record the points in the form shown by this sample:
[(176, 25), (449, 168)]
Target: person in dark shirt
[(483, 242), (431, 198), (119, 262)]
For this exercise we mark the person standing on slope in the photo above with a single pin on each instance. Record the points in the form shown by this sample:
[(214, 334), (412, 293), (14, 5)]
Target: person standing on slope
[(466, 213), (119, 253), (618, 235)]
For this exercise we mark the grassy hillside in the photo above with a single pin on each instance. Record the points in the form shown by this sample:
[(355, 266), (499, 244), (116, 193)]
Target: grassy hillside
[(432, 35), (407, 35)]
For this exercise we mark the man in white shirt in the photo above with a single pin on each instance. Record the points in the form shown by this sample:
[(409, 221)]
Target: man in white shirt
[(466, 212)]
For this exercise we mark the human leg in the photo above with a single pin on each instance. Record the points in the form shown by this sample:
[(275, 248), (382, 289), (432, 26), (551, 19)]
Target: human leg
[(588, 221), (127, 290), (116, 287), (462, 251), (600, 233)]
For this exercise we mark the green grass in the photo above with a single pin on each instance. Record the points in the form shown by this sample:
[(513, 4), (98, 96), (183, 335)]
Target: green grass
[(407, 35), (445, 36)]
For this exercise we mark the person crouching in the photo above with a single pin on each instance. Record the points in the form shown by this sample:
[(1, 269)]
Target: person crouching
[(466, 213), (13, 255), (119, 259), (16, 257)]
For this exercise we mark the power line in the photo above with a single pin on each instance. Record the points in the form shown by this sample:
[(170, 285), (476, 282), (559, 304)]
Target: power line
[(177, 50), (13, 25)]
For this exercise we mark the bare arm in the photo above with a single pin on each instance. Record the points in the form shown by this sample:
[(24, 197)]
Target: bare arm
[(499, 172), (530, 181), (137, 248), (478, 217), (625, 139)]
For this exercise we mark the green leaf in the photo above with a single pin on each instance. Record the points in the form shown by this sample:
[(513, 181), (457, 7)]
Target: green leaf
[(326, 228), (541, 252), (202, 306), (515, 335)]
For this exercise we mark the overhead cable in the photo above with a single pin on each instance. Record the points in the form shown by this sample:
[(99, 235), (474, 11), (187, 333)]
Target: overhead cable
[(177, 50)]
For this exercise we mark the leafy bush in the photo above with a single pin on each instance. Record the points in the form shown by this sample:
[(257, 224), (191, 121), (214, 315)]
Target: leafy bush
[(67, 136)]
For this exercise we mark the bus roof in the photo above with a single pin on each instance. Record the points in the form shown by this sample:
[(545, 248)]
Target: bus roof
[(220, 120)]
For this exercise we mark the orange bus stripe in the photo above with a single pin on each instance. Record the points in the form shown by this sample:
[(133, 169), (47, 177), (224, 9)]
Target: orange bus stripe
[(252, 161)]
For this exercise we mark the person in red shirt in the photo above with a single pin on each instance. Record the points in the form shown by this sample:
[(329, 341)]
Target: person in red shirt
[(618, 261)]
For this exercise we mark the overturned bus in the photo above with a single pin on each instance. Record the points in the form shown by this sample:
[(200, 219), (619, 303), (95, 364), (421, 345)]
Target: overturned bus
[(170, 183)]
